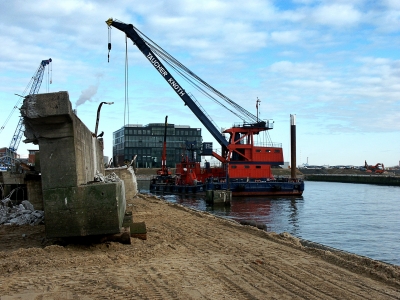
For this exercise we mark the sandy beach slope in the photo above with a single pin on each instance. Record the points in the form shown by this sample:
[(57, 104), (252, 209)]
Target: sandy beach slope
[(187, 255)]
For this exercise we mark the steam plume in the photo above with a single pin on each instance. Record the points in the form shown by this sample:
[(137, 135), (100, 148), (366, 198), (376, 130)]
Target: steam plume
[(86, 95)]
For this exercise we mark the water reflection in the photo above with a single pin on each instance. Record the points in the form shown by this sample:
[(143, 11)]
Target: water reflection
[(293, 216), (279, 214)]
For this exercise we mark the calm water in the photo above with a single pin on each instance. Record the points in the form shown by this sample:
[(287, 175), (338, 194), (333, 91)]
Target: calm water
[(358, 218)]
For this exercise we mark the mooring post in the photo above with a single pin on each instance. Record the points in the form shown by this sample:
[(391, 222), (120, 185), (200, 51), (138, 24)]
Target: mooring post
[(293, 145)]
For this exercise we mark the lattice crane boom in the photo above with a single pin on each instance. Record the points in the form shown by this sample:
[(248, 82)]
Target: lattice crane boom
[(36, 83)]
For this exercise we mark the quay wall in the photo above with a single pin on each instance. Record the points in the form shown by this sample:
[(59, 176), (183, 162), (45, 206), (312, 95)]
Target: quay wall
[(369, 179)]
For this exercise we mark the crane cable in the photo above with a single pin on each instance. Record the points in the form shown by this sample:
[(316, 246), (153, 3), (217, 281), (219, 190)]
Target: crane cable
[(170, 60), (126, 109), (49, 76), (109, 43)]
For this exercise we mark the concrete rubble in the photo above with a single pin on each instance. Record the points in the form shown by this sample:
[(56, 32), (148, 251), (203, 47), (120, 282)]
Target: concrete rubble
[(22, 214), (112, 177)]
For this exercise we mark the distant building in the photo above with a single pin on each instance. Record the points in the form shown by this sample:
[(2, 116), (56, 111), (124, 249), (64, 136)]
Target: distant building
[(146, 143), (7, 152), (7, 158), (6, 155)]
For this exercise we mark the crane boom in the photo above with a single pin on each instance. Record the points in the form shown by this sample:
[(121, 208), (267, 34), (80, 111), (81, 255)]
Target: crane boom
[(37, 81), (153, 59)]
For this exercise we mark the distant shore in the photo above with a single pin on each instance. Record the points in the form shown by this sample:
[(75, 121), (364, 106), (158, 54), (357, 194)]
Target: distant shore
[(147, 173)]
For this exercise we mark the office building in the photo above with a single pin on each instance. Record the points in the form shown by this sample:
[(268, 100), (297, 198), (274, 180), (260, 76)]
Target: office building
[(146, 143)]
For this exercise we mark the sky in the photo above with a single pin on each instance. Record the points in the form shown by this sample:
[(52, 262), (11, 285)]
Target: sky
[(334, 64)]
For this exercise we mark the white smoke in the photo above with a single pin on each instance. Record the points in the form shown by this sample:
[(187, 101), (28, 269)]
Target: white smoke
[(87, 95)]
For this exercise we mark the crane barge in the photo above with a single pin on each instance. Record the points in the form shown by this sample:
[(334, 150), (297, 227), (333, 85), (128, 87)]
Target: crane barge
[(246, 165)]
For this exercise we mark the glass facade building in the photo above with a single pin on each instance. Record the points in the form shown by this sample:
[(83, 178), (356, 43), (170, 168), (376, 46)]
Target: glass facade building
[(146, 142)]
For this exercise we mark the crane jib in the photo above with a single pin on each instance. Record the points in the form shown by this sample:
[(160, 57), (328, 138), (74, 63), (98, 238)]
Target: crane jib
[(153, 59), (163, 72)]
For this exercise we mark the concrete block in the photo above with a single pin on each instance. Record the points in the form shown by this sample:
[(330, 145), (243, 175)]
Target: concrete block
[(138, 227), (138, 230), (93, 209)]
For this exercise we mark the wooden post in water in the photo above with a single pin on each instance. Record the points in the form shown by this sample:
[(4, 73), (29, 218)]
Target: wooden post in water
[(293, 146)]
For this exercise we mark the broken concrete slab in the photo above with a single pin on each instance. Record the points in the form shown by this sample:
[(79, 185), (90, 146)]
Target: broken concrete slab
[(27, 205)]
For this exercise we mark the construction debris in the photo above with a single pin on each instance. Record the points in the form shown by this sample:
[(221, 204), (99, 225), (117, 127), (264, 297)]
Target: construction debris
[(22, 214), (99, 177)]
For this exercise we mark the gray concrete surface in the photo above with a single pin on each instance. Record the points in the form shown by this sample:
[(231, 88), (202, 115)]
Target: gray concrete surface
[(71, 157)]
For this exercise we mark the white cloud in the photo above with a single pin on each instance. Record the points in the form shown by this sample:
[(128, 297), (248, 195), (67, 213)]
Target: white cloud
[(285, 37), (302, 70), (360, 97), (392, 4), (340, 57), (337, 15)]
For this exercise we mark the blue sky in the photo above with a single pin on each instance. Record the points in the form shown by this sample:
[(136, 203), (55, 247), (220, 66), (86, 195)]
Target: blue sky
[(335, 64)]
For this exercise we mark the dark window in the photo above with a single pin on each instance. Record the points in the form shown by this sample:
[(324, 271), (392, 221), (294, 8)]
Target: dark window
[(277, 151), (258, 167), (258, 150), (268, 150), (233, 167), (247, 167)]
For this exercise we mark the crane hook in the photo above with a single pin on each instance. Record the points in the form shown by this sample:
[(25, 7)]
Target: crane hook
[(109, 43)]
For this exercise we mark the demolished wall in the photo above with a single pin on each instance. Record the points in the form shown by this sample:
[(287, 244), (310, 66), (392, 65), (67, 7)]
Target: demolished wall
[(68, 151), (70, 157)]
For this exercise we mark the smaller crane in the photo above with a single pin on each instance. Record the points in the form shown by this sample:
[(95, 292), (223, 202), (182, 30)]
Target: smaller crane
[(379, 168), (36, 83)]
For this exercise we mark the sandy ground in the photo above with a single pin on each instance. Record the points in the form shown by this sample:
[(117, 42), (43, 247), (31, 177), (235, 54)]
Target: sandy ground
[(187, 255)]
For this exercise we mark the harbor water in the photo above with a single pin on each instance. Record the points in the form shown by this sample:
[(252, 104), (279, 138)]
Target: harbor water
[(359, 218)]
